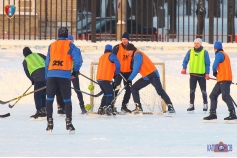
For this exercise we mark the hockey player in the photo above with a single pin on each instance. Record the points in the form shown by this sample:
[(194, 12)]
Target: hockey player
[(61, 54), (150, 75), (125, 60), (108, 67), (34, 67), (199, 65), (75, 82), (222, 71)]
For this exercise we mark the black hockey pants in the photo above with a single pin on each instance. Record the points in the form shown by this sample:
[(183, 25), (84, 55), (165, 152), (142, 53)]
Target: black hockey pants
[(155, 81)]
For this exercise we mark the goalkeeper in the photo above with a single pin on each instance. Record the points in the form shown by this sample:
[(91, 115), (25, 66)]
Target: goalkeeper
[(150, 75), (120, 51)]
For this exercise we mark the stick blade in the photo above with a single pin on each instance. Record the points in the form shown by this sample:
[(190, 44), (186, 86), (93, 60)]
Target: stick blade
[(5, 115), (4, 102)]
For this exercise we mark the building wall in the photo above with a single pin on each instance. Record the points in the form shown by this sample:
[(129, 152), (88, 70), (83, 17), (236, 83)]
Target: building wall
[(37, 16), (57, 10), (18, 25)]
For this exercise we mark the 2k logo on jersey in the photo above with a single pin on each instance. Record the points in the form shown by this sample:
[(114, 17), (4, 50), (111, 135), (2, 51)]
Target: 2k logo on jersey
[(57, 63), (125, 57)]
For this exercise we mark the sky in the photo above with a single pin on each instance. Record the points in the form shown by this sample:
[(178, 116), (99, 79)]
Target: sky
[(184, 135)]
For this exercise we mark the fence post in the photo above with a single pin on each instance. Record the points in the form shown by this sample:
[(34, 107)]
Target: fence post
[(83, 36), (159, 37), (211, 21), (122, 16), (5, 35), (230, 20), (93, 21)]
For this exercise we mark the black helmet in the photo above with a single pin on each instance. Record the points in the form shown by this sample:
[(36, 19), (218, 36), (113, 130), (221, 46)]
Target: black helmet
[(63, 32)]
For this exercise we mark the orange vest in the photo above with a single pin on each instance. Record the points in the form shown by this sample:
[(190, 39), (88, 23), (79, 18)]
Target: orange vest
[(224, 69), (147, 66), (106, 69), (124, 59), (59, 57)]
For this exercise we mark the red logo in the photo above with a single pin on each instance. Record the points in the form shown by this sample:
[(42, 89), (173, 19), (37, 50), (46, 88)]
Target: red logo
[(10, 10), (221, 147)]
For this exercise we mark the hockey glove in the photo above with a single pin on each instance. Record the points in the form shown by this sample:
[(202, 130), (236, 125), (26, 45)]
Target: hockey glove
[(117, 79), (75, 74), (215, 74), (207, 77), (129, 83), (183, 71)]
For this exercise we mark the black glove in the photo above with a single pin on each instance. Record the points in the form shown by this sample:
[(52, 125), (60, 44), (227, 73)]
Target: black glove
[(116, 83), (215, 74), (129, 83), (32, 82), (75, 73)]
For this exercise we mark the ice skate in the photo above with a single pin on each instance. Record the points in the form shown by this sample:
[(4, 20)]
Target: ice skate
[(100, 111), (61, 112), (50, 125), (125, 110), (37, 115), (205, 108), (83, 110), (43, 113), (114, 111), (108, 110), (232, 119), (138, 110), (171, 112), (69, 126), (212, 118), (191, 109)]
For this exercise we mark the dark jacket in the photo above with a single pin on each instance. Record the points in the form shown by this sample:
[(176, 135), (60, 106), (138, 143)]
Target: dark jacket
[(37, 75)]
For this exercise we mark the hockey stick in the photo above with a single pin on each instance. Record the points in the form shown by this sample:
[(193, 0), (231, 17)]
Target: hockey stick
[(215, 79), (93, 95), (4, 102), (233, 102), (11, 106), (5, 115), (204, 77), (120, 91), (89, 79), (116, 91)]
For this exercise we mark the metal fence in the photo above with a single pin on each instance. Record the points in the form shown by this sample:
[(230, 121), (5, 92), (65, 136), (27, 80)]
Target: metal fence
[(97, 20)]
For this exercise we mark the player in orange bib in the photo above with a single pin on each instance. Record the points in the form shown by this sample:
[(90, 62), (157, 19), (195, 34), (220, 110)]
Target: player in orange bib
[(59, 72), (150, 75), (125, 60), (222, 71), (108, 66)]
